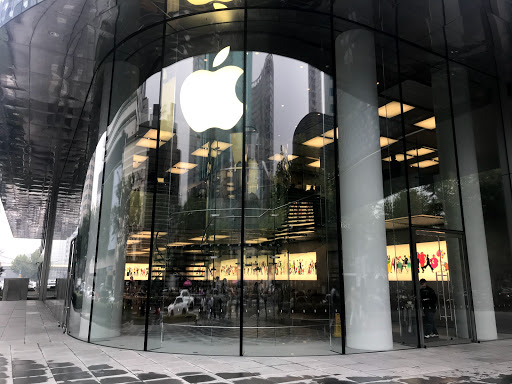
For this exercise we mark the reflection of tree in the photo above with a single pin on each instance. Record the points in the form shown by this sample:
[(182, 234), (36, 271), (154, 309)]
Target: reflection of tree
[(423, 201), (1, 268), (26, 266), (281, 187)]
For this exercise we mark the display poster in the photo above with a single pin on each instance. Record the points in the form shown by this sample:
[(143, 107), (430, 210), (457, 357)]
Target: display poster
[(137, 271), (432, 261), (295, 266), (228, 269), (196, 272)]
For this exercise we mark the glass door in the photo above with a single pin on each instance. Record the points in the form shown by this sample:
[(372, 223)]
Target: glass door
[(443, 291)]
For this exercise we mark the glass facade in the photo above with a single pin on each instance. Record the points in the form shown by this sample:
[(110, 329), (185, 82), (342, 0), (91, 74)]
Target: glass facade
[(278, 178)]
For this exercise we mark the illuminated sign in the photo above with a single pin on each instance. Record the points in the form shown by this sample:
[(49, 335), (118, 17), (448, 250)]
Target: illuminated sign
[(432, 261), (208, 99), (137, 271), (295, 266)]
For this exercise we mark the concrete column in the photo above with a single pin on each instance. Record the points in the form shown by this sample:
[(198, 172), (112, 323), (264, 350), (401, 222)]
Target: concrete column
[(472, 208), (368, 313), (48, 240)]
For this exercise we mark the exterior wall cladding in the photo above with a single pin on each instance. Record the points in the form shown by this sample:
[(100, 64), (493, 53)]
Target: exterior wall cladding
[(269, 177)]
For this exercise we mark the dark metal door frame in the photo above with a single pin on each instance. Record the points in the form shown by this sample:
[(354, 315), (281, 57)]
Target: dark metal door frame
[(465, 270)]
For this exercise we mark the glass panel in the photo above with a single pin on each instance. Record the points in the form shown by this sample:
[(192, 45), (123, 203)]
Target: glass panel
[(196, 257), (291, 296), (430, 150), (86, 240), (486, 197), (443, 288), (122, 268), (396, 209)]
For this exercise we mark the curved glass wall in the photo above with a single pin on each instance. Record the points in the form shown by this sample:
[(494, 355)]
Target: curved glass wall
[(278, 182)]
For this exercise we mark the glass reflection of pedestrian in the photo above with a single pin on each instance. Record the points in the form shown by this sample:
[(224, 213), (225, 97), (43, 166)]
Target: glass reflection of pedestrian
[(429, 305), (217, 304)]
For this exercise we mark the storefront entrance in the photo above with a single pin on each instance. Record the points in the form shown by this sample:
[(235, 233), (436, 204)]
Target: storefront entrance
[(442, 264)]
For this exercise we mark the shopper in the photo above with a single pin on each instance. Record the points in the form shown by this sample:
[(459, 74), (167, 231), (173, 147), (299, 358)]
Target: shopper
[(429, 304)]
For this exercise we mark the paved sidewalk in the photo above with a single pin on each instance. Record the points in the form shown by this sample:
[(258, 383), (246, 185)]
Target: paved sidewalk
[(33, 349)]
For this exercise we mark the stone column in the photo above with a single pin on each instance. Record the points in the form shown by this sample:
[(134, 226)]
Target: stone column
[(476, 241), (368, 312)]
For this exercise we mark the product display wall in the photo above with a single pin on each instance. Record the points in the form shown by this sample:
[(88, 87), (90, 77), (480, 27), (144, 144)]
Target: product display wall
[(262, 176)]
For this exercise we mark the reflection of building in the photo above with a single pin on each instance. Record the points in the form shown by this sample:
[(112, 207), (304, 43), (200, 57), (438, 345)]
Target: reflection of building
[(315, 89), (422, 158), (260, 131)]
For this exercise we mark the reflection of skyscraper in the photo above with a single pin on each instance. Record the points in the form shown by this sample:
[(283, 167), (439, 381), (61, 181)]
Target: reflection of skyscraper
[(315, 89), (260, 130), (320, 92)]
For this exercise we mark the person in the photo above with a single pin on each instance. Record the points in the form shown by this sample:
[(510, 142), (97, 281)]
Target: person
[(429, 305)]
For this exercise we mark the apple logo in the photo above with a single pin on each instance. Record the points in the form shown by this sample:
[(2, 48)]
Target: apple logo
[(208, 98), (217, 5)]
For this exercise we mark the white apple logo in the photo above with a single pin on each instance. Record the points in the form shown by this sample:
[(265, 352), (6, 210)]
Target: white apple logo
[(215, 5), (208, 99)]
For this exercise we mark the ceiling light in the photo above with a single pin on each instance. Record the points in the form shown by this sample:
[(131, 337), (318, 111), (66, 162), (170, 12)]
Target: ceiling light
[(218, 145), (210, 238), (148, 143), (139, 158), (257, 241), (385, 141), (425, 164), (420, 151), (184, 165), (203, 153), (399, 157), (160, 179), (318, 142), (315, 164), (429, 123), (178, 244), (178, 171), (132, 241), (164, 135), (279, 157), (393, 109), (330, 134)]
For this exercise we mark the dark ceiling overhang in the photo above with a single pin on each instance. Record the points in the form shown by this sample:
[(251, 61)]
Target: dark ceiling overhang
[(50, 50)]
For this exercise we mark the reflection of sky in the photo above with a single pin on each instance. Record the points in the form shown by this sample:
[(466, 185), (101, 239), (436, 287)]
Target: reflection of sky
[(291, 102), (10, 246)]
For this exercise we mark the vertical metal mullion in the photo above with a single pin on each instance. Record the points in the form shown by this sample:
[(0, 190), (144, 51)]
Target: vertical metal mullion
[(341, 286), (243, 191), (464, 256), (112, 73), (155, 187), (412, 236)]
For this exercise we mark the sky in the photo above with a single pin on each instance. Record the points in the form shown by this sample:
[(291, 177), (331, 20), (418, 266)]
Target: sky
[(10, 246)]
